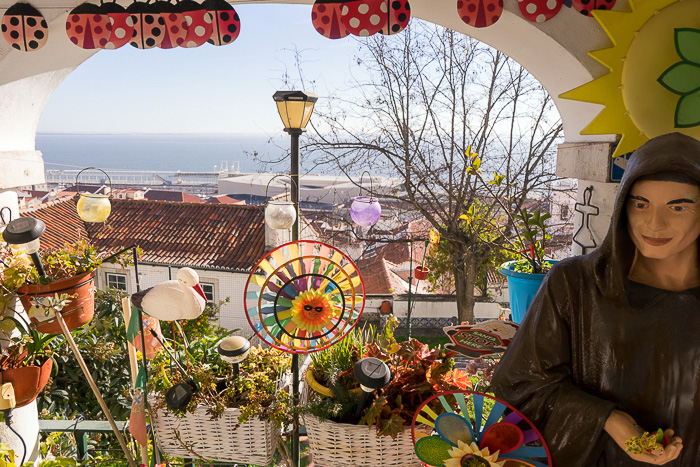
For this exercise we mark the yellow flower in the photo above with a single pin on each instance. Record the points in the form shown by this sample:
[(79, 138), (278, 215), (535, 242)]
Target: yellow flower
[(463, 453), (312, 311)]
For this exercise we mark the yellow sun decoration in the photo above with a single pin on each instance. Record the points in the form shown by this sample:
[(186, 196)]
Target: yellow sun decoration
[(312, 310), (637, 106)]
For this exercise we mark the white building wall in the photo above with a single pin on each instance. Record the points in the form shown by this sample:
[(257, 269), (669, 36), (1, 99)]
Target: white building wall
[(226, 284)]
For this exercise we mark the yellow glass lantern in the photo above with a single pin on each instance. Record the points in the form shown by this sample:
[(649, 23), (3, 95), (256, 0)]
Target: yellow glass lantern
[(93, 207), (295, 108)]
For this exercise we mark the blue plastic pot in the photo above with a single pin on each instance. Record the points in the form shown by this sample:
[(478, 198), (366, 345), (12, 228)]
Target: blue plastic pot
[(522, 288)]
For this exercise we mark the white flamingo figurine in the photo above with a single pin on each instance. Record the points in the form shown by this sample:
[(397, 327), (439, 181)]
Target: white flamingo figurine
[(175, 299)]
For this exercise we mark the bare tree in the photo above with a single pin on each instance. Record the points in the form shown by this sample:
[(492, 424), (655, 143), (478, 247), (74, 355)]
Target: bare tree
[(422, 101)]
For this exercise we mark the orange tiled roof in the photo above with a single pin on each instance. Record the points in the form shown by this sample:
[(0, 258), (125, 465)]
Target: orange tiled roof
[(167, 195), (179, 234)]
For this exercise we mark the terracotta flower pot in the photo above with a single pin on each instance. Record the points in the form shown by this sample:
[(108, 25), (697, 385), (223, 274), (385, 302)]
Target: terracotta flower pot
[(421, 273), (27, 381), (78, 312)]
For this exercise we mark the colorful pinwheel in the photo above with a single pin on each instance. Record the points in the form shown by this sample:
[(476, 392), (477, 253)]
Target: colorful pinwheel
[(471, 429), (309, 296)]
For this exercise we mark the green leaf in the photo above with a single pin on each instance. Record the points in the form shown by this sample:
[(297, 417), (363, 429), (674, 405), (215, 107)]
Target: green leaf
[(681, 78), (688, 44), (392, 427), (688, 111)]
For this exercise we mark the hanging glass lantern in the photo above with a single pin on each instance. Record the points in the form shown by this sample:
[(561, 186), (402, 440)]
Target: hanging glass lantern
[(365, 211), (279, 214), (93, 207)]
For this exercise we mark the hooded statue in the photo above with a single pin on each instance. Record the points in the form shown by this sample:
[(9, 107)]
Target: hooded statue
[(594, 341)]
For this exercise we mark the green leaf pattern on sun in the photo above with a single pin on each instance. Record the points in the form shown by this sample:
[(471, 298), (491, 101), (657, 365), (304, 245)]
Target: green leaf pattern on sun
[(688, 44), (688, 110), (683, 78)]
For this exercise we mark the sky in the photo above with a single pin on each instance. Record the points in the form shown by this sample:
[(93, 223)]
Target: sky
[(207, 89)]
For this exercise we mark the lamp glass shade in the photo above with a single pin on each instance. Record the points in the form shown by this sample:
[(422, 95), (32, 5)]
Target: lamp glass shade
[(30, 247), (94, 207), (365, 210), (295, 108), (280, 215), (234, 349)]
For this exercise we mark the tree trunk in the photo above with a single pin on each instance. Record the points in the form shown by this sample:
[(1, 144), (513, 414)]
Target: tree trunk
[(465, 278)]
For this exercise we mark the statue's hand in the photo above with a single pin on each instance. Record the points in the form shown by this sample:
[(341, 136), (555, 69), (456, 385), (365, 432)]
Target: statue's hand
[(621, 427)]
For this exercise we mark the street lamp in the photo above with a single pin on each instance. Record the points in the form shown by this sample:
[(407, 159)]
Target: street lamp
[(295, 109)]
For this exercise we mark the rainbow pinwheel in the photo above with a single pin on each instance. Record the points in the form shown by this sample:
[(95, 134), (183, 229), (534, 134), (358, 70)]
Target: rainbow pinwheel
[(309, 296), (471, 429)]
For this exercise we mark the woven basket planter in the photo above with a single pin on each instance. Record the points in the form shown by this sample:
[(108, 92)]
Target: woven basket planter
[(253, 442), (342, 445)]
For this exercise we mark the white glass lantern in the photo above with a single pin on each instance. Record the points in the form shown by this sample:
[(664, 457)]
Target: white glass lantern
[(280, 215)]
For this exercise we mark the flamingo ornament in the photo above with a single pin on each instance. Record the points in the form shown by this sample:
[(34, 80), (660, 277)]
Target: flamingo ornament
[(175, 299)]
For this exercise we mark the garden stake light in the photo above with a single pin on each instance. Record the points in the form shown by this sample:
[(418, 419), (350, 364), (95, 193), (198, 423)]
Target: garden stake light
[(234, 350), (372, 374)]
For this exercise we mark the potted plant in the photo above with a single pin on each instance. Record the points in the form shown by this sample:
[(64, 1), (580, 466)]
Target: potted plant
[(232, 417), (381, 435), (522, 234), (27, 361), (70, 271)]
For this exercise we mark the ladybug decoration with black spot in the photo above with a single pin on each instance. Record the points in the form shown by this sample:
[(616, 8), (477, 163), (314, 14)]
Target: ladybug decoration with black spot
[(326, 19), (199, 23), (174, 24), (24, 28), (148, 26), (226, 24), (122, 25), (480, 13), (88, 26), (586, 6), (398, 18)]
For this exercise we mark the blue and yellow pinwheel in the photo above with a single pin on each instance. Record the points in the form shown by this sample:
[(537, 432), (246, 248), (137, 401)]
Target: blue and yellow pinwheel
[(471, 429), (309, 296)]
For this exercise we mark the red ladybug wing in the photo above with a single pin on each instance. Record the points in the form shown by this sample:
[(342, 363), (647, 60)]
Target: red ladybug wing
[(480, 13), (199, 28), (122, 30), (364, 17), (175, 30), (326, 19), (539, 11), (225, 28), (399, 16)]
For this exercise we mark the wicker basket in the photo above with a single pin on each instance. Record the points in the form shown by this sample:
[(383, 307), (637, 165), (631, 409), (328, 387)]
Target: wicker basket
[(342, 445), (253, 442)]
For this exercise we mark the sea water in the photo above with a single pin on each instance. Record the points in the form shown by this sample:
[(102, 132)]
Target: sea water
[(184, 152)]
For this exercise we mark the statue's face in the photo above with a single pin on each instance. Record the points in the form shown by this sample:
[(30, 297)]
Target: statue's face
[(663, 217)]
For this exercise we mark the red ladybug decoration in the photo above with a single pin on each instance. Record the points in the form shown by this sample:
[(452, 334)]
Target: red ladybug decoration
[(122, 25), (398, 17), (88, 26), (199, 23), (539, 11), (364, 17), (149, 27), (480, 13), (226, 24), (174, 27), (326, 18), (586, 6), (24, 28)]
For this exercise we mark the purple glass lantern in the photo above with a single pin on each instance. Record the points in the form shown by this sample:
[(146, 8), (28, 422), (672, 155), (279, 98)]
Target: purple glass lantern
[(365, 211)]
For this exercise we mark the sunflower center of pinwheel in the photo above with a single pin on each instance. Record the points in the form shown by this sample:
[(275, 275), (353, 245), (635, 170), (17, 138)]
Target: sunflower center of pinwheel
[(472, 460), (311, 310)]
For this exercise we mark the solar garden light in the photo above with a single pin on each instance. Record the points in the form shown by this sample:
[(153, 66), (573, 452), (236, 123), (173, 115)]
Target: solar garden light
[(234, 350), (179, 395), (24, 233), (372, 374)]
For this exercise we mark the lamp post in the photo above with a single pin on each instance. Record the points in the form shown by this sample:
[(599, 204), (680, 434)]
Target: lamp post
[(295, 109)]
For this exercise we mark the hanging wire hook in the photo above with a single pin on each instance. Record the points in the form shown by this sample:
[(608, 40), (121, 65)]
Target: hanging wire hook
[(371, 186), (77, 183), (286, 191)]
